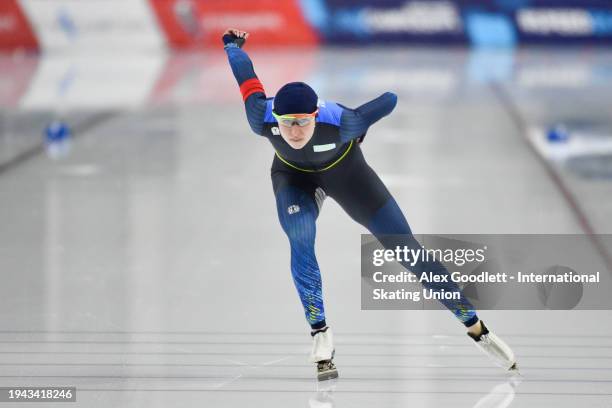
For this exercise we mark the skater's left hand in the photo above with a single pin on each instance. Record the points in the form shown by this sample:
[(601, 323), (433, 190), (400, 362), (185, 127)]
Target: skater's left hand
[(233, 35)]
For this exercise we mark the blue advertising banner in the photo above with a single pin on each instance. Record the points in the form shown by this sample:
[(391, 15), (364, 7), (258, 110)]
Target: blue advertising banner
[(477, 22)]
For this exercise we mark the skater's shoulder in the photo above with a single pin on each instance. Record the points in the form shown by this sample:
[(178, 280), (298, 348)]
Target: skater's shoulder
[(329, 112)]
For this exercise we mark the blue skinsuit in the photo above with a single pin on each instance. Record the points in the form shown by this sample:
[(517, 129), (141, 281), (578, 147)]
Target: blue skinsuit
[(330, 164)]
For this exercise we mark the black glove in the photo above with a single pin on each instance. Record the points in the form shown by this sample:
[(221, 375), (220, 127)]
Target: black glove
[(233, 39)]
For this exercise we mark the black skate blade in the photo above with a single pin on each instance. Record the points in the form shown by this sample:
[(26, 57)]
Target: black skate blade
[(327, 375)]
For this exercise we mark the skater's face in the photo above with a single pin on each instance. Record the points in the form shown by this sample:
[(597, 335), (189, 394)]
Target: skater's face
[(297, 135)]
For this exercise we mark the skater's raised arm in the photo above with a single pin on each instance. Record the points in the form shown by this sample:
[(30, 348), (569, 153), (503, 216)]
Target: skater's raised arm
[(251, 88), (354, 123)]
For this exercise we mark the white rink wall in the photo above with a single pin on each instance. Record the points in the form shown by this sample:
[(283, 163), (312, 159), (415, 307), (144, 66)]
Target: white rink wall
[(94, 26)]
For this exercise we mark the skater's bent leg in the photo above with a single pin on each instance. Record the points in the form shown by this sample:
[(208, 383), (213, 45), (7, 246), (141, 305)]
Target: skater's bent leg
[(389, 220), (297, 212)]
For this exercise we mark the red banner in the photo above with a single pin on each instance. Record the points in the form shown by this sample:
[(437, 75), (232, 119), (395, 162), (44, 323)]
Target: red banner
[(15, 30), (200, 23)]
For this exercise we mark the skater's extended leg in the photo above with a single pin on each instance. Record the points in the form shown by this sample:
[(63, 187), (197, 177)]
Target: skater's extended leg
[(361, 193), (390, 227), (390, 220)]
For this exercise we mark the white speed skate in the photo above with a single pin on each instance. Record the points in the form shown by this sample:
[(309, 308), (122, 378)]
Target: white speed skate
[(323, 353), (495, 348)]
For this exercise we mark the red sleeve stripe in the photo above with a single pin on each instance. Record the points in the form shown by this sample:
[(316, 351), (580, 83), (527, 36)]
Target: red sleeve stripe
[(249, 87)]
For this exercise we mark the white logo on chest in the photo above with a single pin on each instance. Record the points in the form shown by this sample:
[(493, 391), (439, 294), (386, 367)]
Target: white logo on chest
[(292, 209), (323, 148)]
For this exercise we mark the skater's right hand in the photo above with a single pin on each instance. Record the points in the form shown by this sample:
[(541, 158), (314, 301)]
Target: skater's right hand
[(235, 36)]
